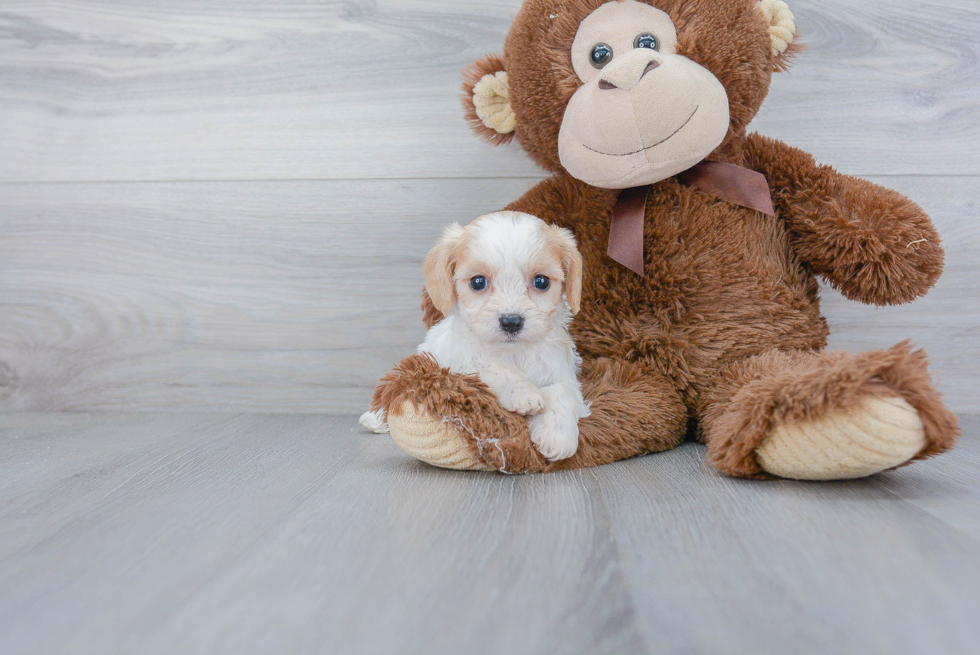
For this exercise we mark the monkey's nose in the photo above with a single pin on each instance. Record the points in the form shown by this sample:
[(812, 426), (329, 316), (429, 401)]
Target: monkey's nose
[(625, 71), (606, 85), (511, 323)]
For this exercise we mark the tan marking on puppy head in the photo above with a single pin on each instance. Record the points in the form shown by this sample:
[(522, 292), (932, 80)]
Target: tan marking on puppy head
[(468, 266), (440, 264), (566, 253), (548, 262)]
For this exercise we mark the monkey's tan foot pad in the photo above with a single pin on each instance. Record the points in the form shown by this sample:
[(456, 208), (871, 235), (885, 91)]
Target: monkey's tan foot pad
[(882, 433), (432, 440)]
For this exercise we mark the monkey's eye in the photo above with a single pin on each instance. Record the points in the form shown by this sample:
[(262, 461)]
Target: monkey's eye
[(601, 55), (541, 282), (646, 41), (478, 283)]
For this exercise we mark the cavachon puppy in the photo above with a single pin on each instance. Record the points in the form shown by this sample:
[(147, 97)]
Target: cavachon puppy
[(508, 284)]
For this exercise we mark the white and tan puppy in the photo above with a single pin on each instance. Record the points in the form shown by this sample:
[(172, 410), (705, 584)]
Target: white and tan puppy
[(508, 284)]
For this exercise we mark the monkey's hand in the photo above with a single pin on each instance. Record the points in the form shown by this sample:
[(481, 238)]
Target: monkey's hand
[(872, 244)]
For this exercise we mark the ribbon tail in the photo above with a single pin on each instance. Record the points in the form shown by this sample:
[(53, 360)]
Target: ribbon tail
[(626, 228)]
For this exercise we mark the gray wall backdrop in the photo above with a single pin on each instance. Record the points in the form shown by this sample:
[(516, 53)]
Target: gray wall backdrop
[(223, 204)]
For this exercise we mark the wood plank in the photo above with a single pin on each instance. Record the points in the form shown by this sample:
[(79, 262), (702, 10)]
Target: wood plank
[(36, 453), (113, 90), (274, 534), (946, 487), (722, 565), (158, 515), (144, 544), (262, 297), (298, 296)]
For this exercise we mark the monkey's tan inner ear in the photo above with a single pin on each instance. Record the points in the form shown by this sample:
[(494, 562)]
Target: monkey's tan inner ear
[(782, 24), (491, 98)]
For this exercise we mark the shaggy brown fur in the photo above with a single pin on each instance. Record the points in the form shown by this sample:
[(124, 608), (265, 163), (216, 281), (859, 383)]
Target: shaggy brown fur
[(724, 329)]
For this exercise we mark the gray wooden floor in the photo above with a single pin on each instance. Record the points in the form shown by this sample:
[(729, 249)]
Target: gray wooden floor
[(296, 534)]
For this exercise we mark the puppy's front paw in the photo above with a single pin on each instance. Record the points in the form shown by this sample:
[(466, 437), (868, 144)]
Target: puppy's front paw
[(553, 435), (523, 399)]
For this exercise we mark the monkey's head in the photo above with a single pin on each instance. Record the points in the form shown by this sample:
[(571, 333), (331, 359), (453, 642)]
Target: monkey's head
[(624, 93)]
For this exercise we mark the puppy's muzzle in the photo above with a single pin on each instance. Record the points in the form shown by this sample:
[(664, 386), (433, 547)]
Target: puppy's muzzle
[(511, 323)]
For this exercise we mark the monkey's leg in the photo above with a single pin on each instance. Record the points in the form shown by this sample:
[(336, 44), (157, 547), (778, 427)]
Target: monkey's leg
[(634, 411), (453, 421), (817, 416)]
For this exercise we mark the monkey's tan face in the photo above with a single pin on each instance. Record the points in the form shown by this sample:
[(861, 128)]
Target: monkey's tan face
[(643, 112)]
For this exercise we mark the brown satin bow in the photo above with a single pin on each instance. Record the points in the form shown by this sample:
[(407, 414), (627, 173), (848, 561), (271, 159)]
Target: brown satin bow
[(729, 182)]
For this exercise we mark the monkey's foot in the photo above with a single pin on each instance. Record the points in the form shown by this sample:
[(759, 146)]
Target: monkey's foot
[(432, 440), (453, 421), (881, 433)]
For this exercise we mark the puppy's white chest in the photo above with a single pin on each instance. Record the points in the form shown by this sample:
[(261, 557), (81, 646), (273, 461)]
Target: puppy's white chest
[(542, 366)]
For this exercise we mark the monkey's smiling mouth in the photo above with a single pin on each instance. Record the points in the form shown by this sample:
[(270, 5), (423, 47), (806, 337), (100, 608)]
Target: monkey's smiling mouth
[(664, 140)]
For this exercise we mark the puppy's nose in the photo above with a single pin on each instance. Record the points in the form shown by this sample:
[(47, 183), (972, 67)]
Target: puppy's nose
[(511, 323)]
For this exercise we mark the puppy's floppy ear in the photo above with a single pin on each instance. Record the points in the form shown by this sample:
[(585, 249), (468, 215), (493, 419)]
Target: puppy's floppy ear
[(439, 267), (571, 264), (486, 100)]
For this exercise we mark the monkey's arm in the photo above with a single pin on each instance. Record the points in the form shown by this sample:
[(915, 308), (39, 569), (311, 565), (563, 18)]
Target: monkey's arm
[(872, 244)]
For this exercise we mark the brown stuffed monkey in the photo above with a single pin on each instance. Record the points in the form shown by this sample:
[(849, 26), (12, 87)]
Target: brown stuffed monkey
[(701, 243)]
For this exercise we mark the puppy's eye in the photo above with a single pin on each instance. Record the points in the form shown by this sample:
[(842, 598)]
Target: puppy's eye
[(601, 55), (646, 41), (541, 282), (478, 283)]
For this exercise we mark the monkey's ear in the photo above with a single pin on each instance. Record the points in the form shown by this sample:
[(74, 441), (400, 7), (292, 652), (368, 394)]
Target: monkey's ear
[(486, 99), (440, 264), (782, 33)]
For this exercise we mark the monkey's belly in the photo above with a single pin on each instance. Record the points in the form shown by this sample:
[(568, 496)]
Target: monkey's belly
[(721, 283), (698, 310)]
